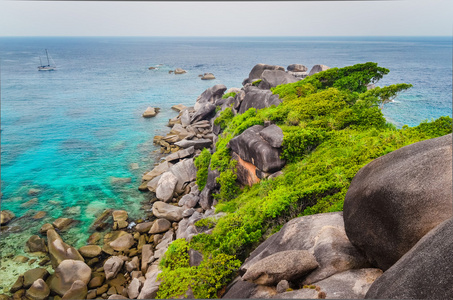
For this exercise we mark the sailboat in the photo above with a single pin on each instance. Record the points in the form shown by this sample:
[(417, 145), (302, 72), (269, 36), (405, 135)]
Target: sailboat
[(48, 67)]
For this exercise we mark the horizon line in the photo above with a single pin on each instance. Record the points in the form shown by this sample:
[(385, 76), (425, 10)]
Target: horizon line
[(219, 36)]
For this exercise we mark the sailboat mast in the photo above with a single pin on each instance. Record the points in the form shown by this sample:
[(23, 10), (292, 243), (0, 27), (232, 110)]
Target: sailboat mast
[(48, 63)]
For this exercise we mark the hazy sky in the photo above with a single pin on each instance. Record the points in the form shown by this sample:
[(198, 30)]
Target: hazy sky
[(303, 18)]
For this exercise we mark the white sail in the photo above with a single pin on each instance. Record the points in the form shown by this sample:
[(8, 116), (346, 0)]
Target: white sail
[(50, 66)]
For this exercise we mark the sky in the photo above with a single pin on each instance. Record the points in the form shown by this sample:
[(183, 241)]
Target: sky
[(291, 18)]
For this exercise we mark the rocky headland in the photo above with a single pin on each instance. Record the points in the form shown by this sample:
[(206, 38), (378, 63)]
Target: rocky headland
[(392, 239)]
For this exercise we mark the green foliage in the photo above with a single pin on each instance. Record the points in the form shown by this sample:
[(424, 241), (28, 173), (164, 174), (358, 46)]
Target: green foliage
[(205, 280), (206, 222), (227, 95), (380, 96), (225, 118), (257, 82), (227, 180), (213, 274), (176, 256), (202, 165), (332, 127)]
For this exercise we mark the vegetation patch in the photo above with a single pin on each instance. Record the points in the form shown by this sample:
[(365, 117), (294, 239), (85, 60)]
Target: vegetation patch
[(332, 127)]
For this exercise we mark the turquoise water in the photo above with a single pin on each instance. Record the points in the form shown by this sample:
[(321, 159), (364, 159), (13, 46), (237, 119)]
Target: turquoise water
[(67, 133)]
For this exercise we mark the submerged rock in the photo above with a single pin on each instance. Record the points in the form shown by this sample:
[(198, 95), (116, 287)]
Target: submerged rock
[(180, 71), (6, 216), (208, 76), (150, 112)]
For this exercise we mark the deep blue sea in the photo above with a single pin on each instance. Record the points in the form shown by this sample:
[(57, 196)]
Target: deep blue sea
[(67, 133)]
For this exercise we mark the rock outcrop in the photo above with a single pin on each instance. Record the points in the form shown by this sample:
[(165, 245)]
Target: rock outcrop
[(317, 68), (424, 272), (59, 250), (252, 148), (67, 272), (272, 78), (257, 70), (150, 112), (396, 199), (257, 98)]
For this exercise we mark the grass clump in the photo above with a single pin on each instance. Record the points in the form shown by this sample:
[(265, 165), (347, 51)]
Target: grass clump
[(227, 95), (202, 165)]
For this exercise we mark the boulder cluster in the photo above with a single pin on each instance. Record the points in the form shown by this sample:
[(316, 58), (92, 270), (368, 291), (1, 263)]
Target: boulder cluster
[(393, 240)]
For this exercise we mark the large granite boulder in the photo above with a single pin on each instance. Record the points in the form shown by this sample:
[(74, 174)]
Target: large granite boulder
[(283, 265), (123, 242), (424, 272), (185, 172), (35, 244), (34, 274), (210, 95), (38, 290), (317, 69), (273, 135), (112, 266), (251, 147), (205, 112), (257, 98), (166, 186), (396, 199), (167, 211), (59, 250), (351, 284), (323, 236), (257, 70), (66, 273), (78, 290), (197, 144), (272, 78), (245, 171), (158, 170)]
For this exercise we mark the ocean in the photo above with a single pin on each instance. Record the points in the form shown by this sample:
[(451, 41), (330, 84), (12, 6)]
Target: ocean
[(69, 137)]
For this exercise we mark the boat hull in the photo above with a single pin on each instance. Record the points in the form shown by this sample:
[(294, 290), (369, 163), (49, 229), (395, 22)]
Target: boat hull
[(46, 68)]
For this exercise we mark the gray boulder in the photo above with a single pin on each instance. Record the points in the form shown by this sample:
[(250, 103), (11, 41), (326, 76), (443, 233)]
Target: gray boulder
[(300, 294), (185, 172), (112, 266), (273, 135), (322, 235), (317, 69), (251, 147), (211, 182), (272, 78), (351, 284), (205, 112), (158, 170), (206, 198), (425, 272), (150, 286), (197, 144), (166, 187), (38, 290), (258, 98), (180, 154), (396, 199), (210, 95), (257, 70), (78, 290), (123, 242), (284, 265), (66, 273), (159, 226), (59, 250), (167, 211), (297, 68)]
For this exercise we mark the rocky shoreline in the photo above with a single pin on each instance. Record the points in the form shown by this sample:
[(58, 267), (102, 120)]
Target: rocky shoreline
[(310, 257)]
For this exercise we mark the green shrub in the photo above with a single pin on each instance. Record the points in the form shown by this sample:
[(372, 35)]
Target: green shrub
[(225, 118), (256, 82), (202, 165), (227, 95)]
